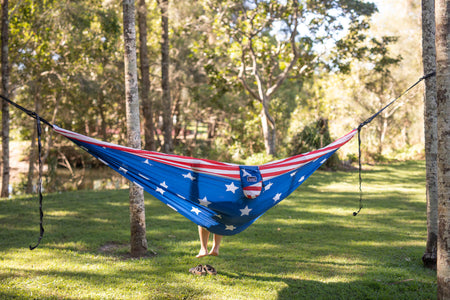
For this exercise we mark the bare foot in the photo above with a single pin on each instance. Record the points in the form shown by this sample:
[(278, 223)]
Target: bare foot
[(214, 253), (202, 253)]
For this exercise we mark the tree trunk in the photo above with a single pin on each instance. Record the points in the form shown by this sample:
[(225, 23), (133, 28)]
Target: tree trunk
[(138, 239), (5, 106), (269, 132), (443, 124), (145, 78), (430, 118), (165, 83)]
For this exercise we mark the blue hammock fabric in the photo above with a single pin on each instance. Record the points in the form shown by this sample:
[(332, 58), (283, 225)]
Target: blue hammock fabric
[(222, 197)]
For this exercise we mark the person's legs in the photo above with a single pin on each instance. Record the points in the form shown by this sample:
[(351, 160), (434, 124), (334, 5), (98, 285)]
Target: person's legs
[(203, 233), (216, 245)]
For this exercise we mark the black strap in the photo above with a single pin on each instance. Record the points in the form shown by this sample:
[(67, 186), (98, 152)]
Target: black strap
[(41, 213), (39, 133), (370, 120), (28, 112)]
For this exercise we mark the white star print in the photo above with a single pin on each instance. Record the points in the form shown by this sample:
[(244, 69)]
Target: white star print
[(323, 161), (147, 162), (163, 184), (196, 210), (123, 170), (189, 175), (277, 197), (293, 174), (230, 227), (301, 179), (204, 201), (267, 187), (218, 216), (245, 173), (160, 190), (231, 187), (245, 211)]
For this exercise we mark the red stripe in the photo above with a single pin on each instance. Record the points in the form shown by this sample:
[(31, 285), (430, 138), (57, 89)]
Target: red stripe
[(169, 159), (213, 167), (252, 188)]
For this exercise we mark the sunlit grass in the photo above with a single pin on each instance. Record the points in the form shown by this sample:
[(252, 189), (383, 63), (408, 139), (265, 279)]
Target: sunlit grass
[(308, 247)]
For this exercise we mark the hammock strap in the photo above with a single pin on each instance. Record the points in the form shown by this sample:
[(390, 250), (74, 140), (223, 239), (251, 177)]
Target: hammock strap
[(370, 119), (34, 115), (28, 112), (41, 213)]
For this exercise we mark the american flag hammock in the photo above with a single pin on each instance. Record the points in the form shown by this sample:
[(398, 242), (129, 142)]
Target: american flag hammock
[(225, 198)]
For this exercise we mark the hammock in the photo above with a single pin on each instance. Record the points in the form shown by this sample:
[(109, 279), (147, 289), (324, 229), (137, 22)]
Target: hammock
[(222, 197)]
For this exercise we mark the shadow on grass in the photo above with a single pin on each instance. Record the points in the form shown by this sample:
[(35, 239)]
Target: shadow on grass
[(358, 289), (308, 247)]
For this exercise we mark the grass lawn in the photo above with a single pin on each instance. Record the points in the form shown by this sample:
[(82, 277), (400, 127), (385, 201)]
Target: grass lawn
[(308, 247)]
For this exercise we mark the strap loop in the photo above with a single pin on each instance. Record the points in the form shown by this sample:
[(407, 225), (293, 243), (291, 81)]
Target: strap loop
[(370, 120)]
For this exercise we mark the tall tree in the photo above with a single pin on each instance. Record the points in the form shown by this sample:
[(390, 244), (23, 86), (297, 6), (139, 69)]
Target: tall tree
[(165, 79), (443, 125), (267, 47), (137, 209), (145, 77), (430, 122), (5, 92)]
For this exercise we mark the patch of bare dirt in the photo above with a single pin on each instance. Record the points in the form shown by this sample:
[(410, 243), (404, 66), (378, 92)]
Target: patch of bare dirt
[(113, 248)]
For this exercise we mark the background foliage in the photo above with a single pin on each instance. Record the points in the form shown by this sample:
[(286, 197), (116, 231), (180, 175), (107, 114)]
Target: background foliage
[(67, 64)]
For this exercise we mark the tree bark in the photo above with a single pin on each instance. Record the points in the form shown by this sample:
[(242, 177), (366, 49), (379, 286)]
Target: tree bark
[(269, 131), (138, 239), (147, 110), (443, 122), (430, 126), (165, 82), (5, 106)]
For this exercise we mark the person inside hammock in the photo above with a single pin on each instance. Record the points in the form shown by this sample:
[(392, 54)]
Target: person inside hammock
[(204, 238)]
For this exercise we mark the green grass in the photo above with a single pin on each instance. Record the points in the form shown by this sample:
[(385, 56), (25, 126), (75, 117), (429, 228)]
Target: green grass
[(308, 247)]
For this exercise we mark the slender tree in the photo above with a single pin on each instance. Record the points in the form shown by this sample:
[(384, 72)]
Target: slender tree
[(5, 92), (443, 161), (430, 118), (138, 239), (145, 77), (165, 82)]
